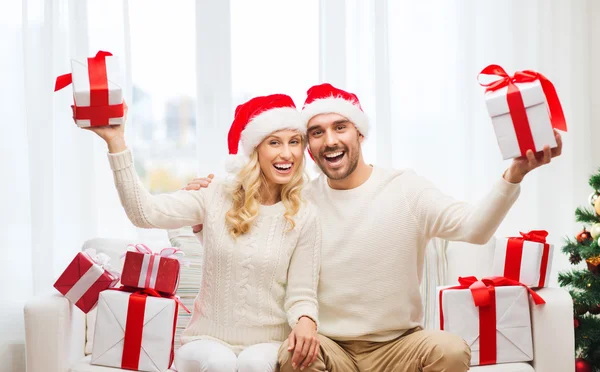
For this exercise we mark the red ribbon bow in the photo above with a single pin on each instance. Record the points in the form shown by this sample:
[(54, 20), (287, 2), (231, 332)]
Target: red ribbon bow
[(99, 111), (134, 326), (484, 297), (534, 236), (517, 107)]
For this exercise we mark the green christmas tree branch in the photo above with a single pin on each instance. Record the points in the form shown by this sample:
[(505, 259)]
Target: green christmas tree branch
[(579, 279), (586, 215), (585, 250), (595, 181), (587, 338), (589, 298)]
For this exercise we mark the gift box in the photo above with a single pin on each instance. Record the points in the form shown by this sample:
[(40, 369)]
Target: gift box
[(526, 259), (144, 269), (492, 316), (85, 277), (134, 330), (524, 109), (97, 90)]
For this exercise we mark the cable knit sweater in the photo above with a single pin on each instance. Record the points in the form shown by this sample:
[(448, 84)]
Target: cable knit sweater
[(254, 288), (374, 239)]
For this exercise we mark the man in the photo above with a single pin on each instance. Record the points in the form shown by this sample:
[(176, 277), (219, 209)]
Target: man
[(377, 223)]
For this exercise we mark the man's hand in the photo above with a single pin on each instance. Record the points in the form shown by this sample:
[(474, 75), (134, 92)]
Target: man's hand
[(304, 342), (525, 164), (197, 184)]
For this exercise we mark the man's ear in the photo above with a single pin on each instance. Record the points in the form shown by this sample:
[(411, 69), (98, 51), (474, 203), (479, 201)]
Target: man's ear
[(361, 138)]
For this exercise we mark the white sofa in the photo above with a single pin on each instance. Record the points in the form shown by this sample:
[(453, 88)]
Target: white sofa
[(57, 332)]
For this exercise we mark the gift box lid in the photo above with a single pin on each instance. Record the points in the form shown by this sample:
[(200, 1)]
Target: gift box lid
[(532, 94), (81, 81)]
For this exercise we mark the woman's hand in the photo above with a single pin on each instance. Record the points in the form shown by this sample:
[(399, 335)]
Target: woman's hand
[(197, 184), (304, 342), (113, 135)]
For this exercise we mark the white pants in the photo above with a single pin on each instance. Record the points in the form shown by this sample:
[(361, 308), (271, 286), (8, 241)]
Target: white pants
[(212, 356)]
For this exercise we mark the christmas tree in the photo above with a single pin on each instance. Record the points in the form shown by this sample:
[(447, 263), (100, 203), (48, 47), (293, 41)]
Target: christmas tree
[(584, 284)]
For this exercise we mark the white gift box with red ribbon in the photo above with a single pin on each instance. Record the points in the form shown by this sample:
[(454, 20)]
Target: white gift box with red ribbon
[(97, 90), (526, 259), (492, 316)]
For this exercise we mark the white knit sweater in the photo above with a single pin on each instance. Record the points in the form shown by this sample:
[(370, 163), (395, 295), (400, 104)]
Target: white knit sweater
[(374, 239), (254, 288)]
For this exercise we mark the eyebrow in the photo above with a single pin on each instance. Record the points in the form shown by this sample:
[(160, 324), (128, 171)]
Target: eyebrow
[(337, 122), (296, 136)]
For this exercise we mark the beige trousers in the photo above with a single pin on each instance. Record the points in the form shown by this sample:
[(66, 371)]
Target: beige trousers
[(415, 351)]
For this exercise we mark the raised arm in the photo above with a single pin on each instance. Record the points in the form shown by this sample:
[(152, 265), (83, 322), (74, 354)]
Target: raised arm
[(166, 211), (444, 217), (163, 211)]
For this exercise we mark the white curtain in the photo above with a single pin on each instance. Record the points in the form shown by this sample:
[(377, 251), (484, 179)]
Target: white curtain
[(56, 189), (412, 63)]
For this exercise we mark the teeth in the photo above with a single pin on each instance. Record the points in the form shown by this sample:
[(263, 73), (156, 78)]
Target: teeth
[(333, 155), (283, 166)]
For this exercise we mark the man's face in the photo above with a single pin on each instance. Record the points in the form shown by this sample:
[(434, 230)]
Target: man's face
[(334, 142)]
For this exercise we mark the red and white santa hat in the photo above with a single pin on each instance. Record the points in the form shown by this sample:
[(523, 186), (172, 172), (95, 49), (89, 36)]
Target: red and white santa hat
[(254, 121), (327, 99)]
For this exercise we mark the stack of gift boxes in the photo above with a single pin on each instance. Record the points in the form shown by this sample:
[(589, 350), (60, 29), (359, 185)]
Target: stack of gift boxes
[(136, 322), (492, 314)]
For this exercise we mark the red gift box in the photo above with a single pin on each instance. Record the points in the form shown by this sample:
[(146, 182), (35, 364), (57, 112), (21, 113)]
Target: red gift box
[(145, 269), (85, 277)]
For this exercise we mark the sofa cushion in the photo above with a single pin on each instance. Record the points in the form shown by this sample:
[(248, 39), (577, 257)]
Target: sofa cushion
[(465, 259), (434, 274), (191, 276)]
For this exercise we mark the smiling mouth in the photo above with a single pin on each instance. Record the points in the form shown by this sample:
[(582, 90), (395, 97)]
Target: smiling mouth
[(334, 158), (283, 168)]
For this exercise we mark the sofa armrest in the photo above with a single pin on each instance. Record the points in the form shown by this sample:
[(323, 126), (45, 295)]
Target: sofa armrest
[(54, 333), (553, 332)]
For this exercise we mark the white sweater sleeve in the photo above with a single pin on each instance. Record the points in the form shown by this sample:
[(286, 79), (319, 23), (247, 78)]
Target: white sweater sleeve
[(447, 218), (303, 272), (165, 211)]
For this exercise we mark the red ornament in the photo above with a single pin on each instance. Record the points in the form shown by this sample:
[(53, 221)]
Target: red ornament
[(584, 236), (582, 365), (576, 323)]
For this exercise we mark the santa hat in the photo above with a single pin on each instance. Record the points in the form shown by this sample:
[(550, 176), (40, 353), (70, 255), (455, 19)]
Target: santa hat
[(326, 99), (254, 121)]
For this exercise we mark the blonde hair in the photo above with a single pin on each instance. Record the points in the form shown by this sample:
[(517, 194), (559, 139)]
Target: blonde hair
[(245, 192)]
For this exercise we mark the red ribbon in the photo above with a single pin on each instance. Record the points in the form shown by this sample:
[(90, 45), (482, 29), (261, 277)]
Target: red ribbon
[(484, 297), (132, 343), (134, 326), (516, 106), (99, 112), (514, 255)]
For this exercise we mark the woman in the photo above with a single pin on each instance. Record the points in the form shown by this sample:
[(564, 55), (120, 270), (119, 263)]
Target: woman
[(262, 242)]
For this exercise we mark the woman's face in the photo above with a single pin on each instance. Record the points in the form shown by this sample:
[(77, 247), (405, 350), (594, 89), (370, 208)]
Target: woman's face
[(280, 156)]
